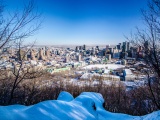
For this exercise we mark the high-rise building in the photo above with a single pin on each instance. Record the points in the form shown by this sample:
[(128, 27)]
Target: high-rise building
[(128, 46), (67, 58), (32, 54), (77, 49), (125, 46), (134, 52), (93, 51), (108, 56), (80, 47), (41, 54), (84, 47), (107, 47), (107, 51), (116, 53), (146, 45), (78, 57), (47, 52), (22, 55), (57, 52), (119, 47), (97, 47)]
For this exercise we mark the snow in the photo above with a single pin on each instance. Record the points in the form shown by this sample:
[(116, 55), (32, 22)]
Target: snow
[(106, 71), (118, 62), (138, 63), (108, 66), (79, 72), (90, 75), (86, 76), (87, 106), (128, 72), (65, 96), (33, 62), (136, 83)]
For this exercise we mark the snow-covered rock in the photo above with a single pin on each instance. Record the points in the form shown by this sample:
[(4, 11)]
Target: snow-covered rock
[(65, 96), (87, 106)]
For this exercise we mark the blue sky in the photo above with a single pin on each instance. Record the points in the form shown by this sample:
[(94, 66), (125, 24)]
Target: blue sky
[(85, 21)]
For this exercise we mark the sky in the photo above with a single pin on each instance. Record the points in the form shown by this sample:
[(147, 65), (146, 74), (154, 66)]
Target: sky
[(78, 22)]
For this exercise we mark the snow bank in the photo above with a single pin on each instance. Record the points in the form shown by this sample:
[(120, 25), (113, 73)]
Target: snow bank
[(87, 106)]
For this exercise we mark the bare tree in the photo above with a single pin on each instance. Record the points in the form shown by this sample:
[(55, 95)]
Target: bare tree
[(20, 25), (13, 32), (149, 39)]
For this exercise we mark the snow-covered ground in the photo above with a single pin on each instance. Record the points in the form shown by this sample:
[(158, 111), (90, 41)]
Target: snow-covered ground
[(87, 106), (108, 66)]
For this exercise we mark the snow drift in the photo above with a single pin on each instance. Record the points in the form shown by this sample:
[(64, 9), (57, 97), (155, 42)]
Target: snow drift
[(87, 106)]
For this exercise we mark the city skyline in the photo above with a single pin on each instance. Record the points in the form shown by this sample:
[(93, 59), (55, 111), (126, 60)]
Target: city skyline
[(70, 22)]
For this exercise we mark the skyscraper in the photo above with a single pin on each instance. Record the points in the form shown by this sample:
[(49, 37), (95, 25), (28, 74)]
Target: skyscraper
[(125, 46), (84, 47), (32, 54), (78, 57), (41, 54), (67, 58)]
